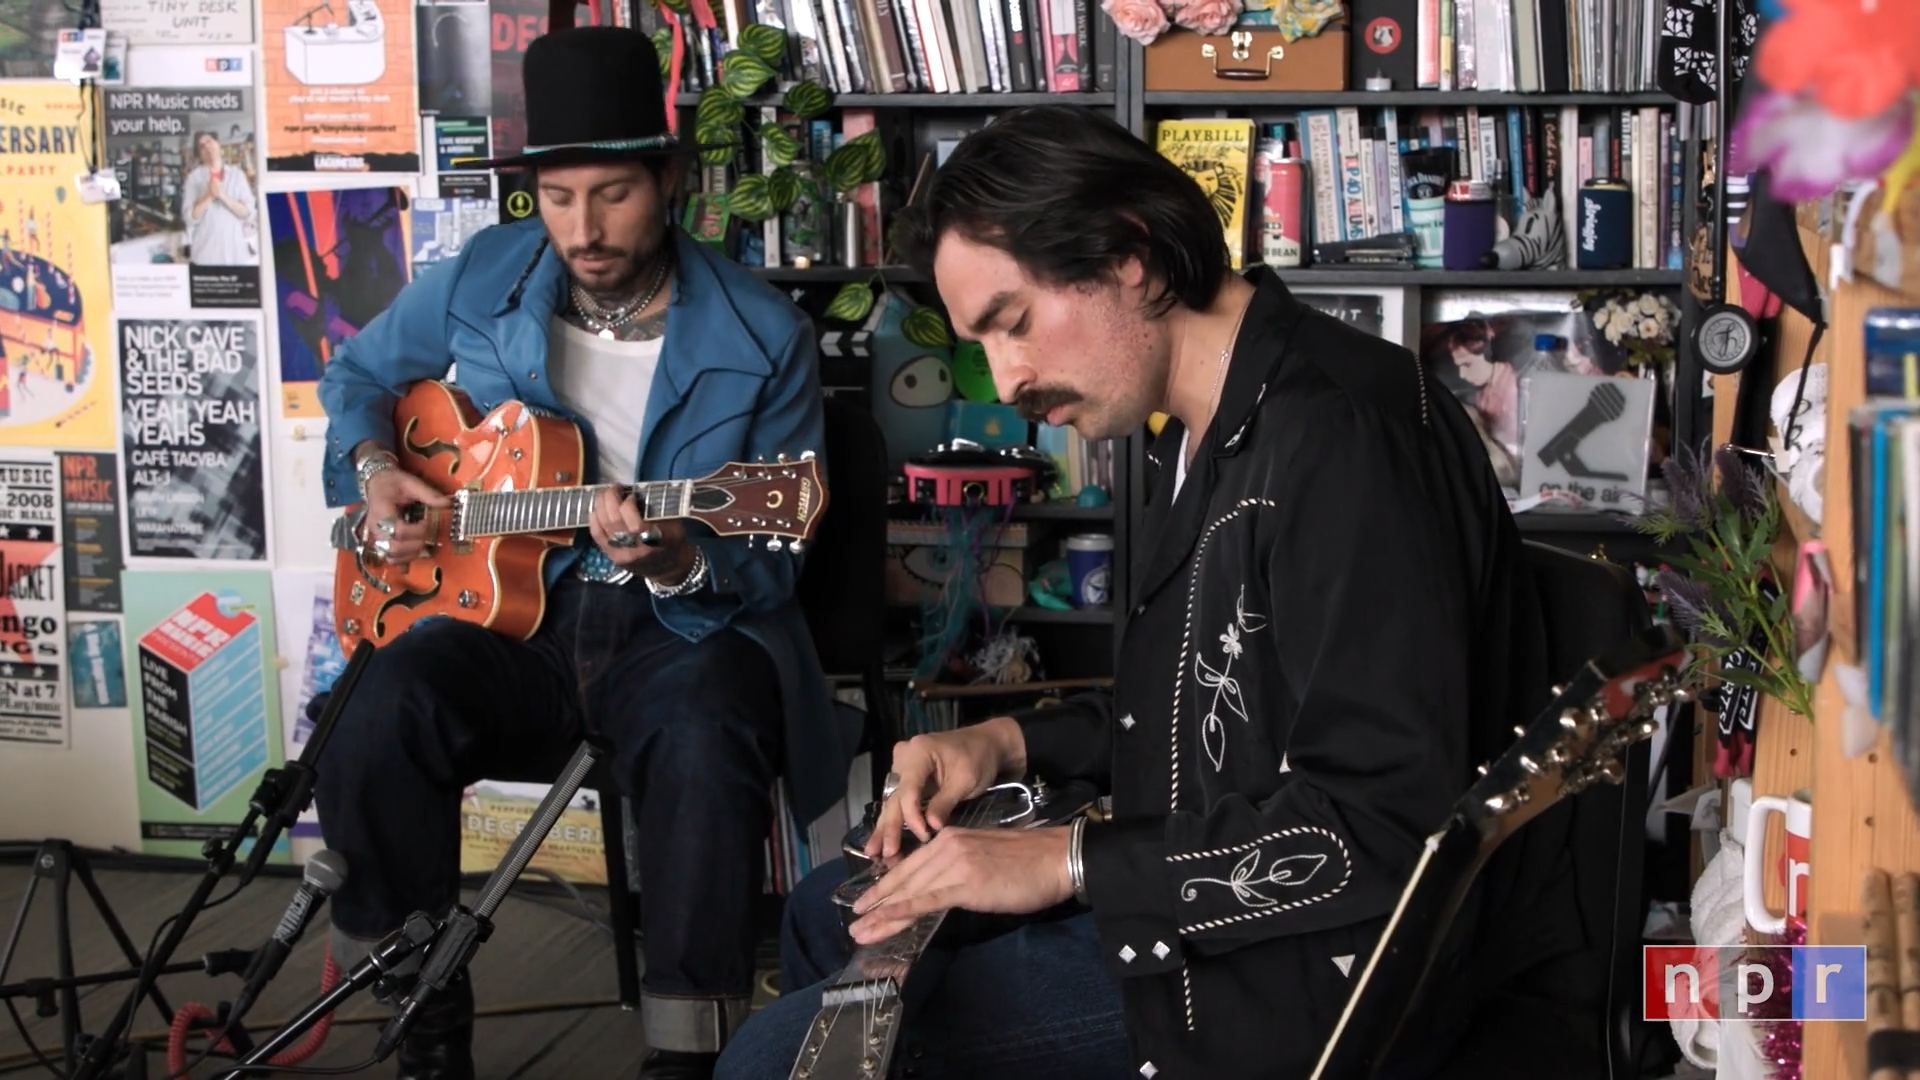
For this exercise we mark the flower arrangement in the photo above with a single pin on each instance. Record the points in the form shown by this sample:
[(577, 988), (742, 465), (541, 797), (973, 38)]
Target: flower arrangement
[(1723, 592), (1146, 20), (1644, 325)]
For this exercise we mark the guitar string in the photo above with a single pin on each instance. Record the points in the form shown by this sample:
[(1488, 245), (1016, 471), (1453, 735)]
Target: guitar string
[(869, 1003), (530, 515)]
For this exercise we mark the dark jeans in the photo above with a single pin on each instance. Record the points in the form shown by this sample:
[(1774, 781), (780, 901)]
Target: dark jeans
[(1035, 1002), (694, 730)]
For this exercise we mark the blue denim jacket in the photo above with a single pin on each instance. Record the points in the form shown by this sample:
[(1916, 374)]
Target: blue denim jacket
[(738, 380)]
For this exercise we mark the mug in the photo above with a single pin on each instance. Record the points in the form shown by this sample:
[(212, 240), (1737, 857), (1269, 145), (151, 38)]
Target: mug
[(1797, 811)]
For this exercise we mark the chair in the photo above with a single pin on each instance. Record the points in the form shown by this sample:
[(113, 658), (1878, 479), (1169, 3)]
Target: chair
[(1588, 606), (842, 592)]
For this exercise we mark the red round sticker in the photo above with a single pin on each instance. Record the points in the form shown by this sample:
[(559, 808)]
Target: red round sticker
[(1383, 35)]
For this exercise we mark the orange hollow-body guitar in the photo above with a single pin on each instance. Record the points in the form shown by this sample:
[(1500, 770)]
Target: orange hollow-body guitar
[(514, 477)]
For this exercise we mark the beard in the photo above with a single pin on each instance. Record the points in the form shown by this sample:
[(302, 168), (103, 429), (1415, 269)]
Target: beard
[(626, 270)]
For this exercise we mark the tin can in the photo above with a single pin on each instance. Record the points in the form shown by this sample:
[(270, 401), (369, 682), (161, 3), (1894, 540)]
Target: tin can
[(1283, 206)]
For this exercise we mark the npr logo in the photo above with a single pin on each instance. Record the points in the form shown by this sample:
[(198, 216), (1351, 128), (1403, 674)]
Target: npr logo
[(1684, 982)]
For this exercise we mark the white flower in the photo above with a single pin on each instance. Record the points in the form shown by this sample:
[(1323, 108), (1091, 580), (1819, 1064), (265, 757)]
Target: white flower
[(1649, 303), (1600, 318), (1649, 329)]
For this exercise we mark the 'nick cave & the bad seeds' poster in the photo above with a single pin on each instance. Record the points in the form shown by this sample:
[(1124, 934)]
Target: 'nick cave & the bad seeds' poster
[(191, 428)]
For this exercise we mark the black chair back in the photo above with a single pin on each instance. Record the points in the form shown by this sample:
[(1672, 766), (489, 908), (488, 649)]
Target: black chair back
[(842, 587), (1588, 606)]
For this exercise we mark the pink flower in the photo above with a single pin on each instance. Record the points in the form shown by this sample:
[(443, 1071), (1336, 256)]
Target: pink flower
[(1141, 20), (1808, 151), (1207, 16)]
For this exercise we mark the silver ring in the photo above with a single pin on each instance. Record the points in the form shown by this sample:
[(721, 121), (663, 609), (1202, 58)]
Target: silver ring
[(889, 785), (650, 537), (382, 546), (622, 539), (386, 526)]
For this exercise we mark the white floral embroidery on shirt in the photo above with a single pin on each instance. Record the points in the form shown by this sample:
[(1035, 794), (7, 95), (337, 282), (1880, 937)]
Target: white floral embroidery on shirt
[(1291, 870), (1226, 688)]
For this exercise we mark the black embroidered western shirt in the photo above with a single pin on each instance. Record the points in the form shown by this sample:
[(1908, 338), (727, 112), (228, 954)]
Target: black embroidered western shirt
[(1327, 636)]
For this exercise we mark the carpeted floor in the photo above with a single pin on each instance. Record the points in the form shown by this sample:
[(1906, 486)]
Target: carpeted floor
[(545, 982)]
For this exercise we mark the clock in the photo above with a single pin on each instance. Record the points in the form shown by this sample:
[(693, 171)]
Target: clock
[(1725, 337)]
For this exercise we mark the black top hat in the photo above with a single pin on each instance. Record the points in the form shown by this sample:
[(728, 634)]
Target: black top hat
[(593, 93)]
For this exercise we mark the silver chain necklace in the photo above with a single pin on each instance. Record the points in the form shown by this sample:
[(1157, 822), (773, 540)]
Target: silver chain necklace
[(604, 320)]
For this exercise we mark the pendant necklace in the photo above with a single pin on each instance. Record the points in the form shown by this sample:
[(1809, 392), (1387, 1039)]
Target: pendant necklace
[(604, 320)]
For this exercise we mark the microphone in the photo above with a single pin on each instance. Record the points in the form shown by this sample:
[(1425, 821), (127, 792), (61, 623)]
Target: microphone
[(325, 873)]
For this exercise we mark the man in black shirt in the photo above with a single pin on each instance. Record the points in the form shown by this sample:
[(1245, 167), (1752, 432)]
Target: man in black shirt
[(1328, 633)]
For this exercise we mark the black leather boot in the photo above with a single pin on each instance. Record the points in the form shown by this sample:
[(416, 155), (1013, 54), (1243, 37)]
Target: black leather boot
[(676, 1065), (439, 1046)]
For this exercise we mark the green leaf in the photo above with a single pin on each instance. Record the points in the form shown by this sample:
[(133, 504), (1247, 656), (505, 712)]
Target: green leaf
[(807, 100), (742, 74), (678, 7), (750, 198), (782, 148), (722, 141), (769, 43), (924, 327), (785, 186), (852, 302), (718, 108), (859, 160), (663, 45)]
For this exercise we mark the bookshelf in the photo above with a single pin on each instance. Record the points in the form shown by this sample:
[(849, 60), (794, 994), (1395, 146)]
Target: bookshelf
[(912, 124)]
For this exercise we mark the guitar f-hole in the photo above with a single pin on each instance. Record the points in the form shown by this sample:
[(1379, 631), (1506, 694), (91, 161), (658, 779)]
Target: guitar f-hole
[(410, 599)]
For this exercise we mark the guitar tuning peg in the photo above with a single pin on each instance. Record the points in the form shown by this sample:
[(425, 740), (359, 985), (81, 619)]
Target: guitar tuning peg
[(773, 543), (798, 547), (1519, 730), (806, 455), (1481, 769), (782, 459)]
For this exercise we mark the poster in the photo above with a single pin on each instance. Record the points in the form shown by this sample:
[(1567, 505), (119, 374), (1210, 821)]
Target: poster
[(456, 144), (303, 609), (515, 24), (493, 813), (206, 720), (55, 330), (99, 673), (339, 86), (32, 641), (190, 395), (90, 528), (185, 231), (155, 22), (456, 58), (339, 258), (441, 227), (29, 34)]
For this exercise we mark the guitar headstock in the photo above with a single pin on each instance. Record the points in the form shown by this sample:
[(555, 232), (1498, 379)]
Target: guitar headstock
[(782, 500), (1583, 734)]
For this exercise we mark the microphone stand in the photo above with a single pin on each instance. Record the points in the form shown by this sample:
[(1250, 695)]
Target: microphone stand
[(281, 797), (450, 944)]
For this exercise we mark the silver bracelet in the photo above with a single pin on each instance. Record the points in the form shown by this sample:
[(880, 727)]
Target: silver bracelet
[(1076, 868), (696, 576), (376, 462)]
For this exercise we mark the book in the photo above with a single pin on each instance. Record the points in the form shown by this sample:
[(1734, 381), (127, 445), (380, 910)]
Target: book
[(1218, 154)]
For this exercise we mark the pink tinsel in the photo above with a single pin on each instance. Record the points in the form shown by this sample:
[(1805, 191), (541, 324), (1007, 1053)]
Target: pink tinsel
[(1780, 1037)]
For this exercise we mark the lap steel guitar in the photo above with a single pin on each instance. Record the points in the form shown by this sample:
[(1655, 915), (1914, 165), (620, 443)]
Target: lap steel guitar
[(513, 476)]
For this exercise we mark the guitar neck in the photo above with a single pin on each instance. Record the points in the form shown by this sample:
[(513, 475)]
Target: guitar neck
[(1407, 947), (504, 513)]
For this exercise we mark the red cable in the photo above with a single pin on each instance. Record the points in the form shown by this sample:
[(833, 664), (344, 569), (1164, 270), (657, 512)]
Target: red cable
[(184, 1017)]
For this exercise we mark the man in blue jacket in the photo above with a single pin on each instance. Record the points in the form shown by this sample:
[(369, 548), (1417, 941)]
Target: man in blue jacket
[(685, 651)]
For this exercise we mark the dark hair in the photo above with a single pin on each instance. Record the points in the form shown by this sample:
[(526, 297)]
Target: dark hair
[(1069, 193)]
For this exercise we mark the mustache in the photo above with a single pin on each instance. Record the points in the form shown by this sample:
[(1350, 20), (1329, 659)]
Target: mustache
[(1034, 405), (596, 251)]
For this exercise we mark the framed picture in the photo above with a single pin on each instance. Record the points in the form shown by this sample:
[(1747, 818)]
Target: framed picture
[(1390, 312)]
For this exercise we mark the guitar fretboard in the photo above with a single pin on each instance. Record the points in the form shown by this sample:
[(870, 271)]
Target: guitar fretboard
[(498, 513)]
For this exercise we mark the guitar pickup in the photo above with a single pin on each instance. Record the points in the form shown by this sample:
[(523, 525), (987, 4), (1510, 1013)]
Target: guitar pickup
[(346, 530)]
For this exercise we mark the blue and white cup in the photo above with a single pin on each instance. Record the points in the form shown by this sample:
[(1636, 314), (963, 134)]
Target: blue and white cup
[(1090, 564)]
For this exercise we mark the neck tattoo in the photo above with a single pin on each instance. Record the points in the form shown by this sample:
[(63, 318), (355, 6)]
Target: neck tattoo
[(610, 322)]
